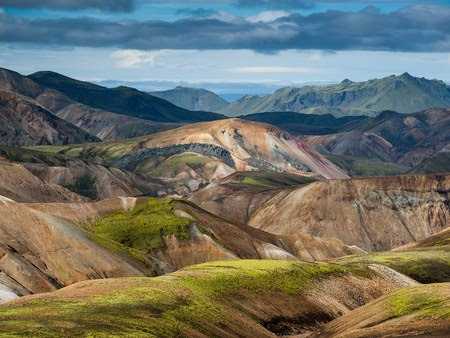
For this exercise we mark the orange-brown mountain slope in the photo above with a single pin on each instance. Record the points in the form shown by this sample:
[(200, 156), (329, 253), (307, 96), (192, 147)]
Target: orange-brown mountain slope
[(371, 213)]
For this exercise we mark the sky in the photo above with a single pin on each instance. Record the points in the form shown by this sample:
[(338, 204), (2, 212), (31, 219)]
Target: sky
[(235, 42)]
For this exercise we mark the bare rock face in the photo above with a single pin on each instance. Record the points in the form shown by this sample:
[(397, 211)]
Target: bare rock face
[(372, 213)]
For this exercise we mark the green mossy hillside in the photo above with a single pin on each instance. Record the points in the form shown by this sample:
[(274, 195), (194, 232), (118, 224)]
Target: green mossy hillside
[(423, 302), (142, 229), (174, 164), (268, 179), (196, 299), (427, 265)]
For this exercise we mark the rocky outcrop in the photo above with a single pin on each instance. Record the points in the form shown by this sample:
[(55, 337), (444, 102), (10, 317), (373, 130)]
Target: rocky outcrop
[(130, 162)]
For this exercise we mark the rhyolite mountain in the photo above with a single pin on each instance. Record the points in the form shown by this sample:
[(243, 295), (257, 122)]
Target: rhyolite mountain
[(193, 98), (120, 100), (308, 124), (390, 143), (404, 140), (404, 94), (197, 154)]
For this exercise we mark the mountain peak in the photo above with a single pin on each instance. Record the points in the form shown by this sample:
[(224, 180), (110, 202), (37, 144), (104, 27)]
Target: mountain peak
[(406, 75)]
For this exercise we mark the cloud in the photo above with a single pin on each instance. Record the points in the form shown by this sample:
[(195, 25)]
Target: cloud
[(105, 5), (199, 12), (268, 16), (273, 70), (277, 4), (416, 28), (129, 58)]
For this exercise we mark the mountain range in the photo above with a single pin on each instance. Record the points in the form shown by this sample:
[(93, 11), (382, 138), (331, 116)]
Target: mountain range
[(404, 94), (105, 113)]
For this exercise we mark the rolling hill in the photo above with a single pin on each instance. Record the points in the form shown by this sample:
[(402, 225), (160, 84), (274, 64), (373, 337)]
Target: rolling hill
[(192, 98), (404, 94), (221, 299)]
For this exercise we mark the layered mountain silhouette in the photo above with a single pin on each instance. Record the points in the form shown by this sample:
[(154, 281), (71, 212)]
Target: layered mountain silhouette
[(120, 100), (193, 98), (404, 94), (105, 113)]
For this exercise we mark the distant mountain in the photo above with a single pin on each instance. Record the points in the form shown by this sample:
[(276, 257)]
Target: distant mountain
[(24, 122), (308, 124), (120, 100), (192, 98), (403, 140), (101, 123), (404, 93)]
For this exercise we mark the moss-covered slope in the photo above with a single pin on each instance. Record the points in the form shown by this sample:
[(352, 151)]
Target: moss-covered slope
[(421, 311), (222, 299)]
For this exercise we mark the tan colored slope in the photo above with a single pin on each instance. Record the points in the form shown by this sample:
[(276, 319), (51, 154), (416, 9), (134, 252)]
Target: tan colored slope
[(19, 184), (103, 183), (40, 252), (373, 213), (251, 145), (23, 122), (220, 299), (70, 181), (109, 126), (420, 311)]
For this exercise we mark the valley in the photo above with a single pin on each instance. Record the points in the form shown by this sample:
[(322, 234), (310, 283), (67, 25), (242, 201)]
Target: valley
[(123, 214)]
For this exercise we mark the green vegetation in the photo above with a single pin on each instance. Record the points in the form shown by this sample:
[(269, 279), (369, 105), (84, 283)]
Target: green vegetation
[(428, 265), (174, 164), (420, 301), (103, 152), (363, 167), (84, 186), (196, 299), (143, 228), (267, 179)]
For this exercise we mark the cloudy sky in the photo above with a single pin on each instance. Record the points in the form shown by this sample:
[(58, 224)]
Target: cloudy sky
[(269, 41)]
